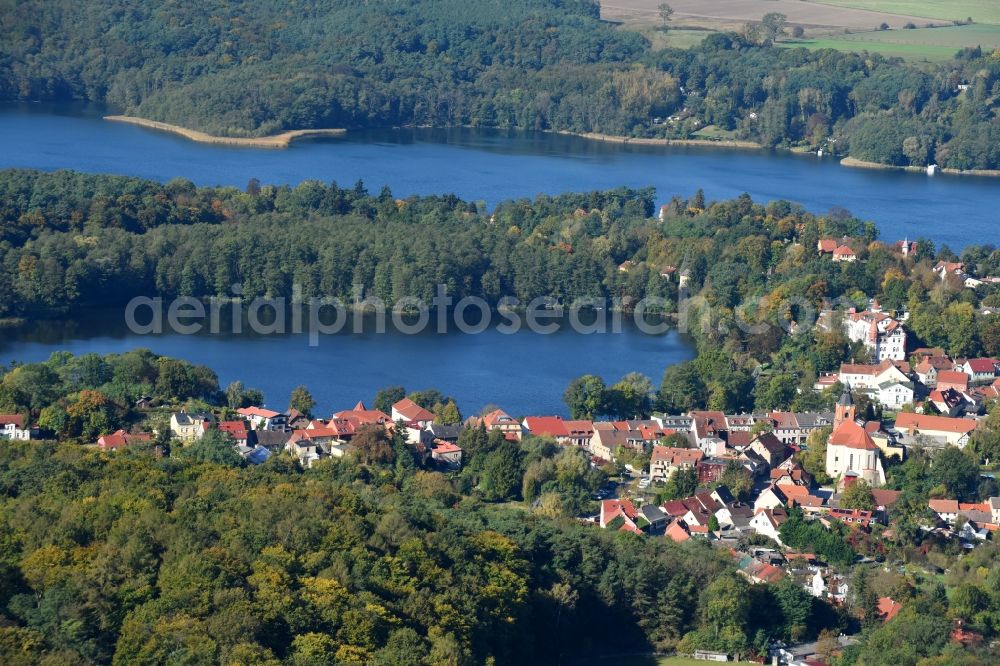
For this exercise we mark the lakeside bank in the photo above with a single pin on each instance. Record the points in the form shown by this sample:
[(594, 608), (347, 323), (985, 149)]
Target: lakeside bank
[(877, 166), (273, 141)]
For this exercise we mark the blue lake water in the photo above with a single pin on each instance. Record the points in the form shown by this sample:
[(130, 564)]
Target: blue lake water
[(524, 373), (493, 166)]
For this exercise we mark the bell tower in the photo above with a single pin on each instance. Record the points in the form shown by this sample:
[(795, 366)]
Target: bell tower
[(845, 409)]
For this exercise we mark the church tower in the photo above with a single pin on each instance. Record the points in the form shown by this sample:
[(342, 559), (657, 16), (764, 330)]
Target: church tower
[(845, 409)]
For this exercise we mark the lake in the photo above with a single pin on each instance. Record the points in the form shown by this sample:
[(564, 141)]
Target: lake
[(494, 166), (525, 373)]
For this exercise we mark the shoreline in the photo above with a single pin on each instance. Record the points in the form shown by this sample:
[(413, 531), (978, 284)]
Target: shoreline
[(273, 141), (284, 139), (639, 141), (855, 163)]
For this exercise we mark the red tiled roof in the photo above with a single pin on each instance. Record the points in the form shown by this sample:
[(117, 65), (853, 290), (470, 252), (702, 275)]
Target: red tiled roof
[(953, 378), (257, 411), (853, 436), (546, 426), (982, 365), (676, 456), (446, 447), (927, 422), (411, 411), (121, 439), (888, 609), (15, 419)]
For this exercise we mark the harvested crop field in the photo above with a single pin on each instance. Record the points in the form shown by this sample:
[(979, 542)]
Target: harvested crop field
[(730, 14), (980, 11)]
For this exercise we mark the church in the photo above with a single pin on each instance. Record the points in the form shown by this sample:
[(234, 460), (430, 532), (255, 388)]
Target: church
[(850, 449)]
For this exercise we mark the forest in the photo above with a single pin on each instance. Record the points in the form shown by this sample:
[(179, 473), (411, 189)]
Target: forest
[(134, 559), (244, 69)]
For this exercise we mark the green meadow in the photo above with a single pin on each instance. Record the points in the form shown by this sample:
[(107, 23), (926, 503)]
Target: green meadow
[(918, 44)]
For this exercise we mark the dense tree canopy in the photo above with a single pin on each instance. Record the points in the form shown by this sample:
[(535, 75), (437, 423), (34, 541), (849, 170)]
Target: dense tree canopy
[(243, 68)]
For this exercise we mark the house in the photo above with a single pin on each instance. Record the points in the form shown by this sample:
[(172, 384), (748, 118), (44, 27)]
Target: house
[(606, 441), (445, 432), (884, 382), (620, 508), (410, 412), (264, 419), (888, 609), (827, 245), (844, 253), (851, 448), (709, 429), (710, 469), (953, 379), (189, 427), (768, 522), (504, 422), (981, 370), (929, 367), (882, 335), (303, 448), (945, 268), (655, 516), (770, 448), (238, 430), (447, 454), (794, 428), (361, 415), (678, 531), (928, 430), (120, 439), (12, 427), (546, 426), (852, 517), (994, 503), (949, 402), (666, 460)]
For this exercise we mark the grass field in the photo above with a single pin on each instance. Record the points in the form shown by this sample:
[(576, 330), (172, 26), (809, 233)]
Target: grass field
[(981, 11), (922, 43)]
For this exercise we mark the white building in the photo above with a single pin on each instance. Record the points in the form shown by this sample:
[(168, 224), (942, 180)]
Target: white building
[(12, 427), (881, 334), (850, 447)]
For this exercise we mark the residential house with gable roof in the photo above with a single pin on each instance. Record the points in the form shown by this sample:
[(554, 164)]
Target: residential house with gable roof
[(12, 427), (410, 412), (981, 370), (935, 431), (264, 419), (666, 460), (120, 439)]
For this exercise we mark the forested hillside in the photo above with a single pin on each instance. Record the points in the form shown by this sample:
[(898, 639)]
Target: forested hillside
[(242, 69), (137, 560)]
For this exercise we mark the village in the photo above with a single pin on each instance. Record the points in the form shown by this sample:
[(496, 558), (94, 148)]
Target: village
[(740, 482)]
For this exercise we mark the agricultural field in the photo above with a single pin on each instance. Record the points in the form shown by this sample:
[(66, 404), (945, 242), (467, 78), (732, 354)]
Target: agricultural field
[(981, 11), (732, 14), (920, 44)]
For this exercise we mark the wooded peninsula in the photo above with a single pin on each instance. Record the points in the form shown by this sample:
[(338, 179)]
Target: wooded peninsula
[(243, 69)]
